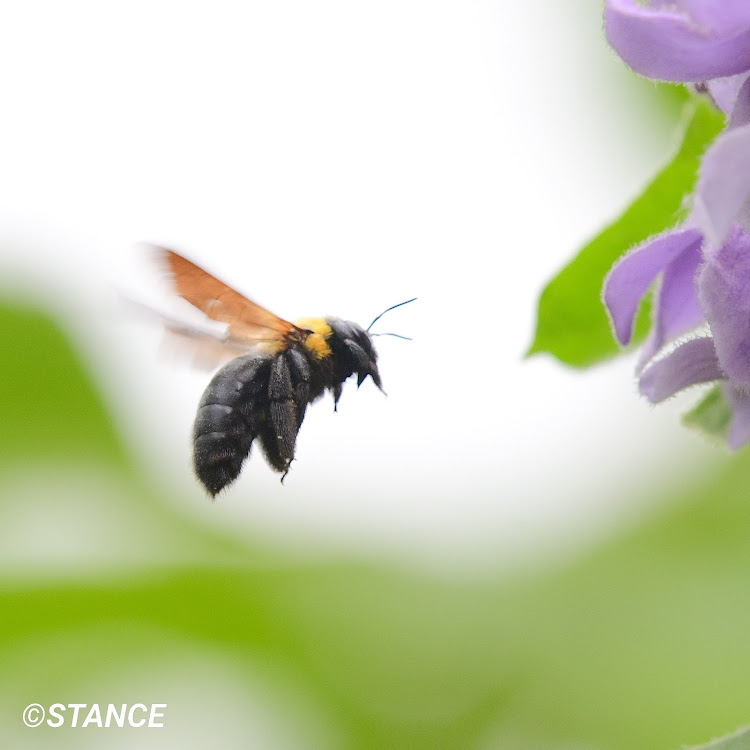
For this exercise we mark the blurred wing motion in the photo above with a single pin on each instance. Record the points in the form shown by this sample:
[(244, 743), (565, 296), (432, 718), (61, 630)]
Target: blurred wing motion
[(248, 323)]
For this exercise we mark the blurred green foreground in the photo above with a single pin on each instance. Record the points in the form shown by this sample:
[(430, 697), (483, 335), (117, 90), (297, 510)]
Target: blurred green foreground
[(645, 644)]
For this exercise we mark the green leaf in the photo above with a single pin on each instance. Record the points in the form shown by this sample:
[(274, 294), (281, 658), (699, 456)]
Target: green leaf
[(740, 740), (572, 323), (47, 398), (711, 415)]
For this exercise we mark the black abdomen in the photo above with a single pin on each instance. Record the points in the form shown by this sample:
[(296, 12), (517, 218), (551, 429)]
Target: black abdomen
[(254, 396), (227, 420)]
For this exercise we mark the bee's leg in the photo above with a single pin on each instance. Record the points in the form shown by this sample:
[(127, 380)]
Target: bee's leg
[(299, 370), (283, 476), (336, 391), (278, 433), (363, 364)]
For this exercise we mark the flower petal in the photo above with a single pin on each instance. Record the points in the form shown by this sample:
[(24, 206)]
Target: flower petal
[(693, 362), (723, 190), (632, 275), (724, 91), (724, 292), (682, 40), (739, 427), (740, 112), (677, 307)]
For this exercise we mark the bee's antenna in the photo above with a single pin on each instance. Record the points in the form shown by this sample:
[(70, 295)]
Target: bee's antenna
[(397, 335), (393, 307)]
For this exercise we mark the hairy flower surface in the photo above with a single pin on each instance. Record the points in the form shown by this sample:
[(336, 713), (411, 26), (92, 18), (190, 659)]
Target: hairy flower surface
[(704, 266), (681, 40), (675, 256), (724, 289), (705, 42), (723, 192), (698, 283)]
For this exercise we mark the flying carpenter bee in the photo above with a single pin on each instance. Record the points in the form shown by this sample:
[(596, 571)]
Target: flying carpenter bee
[(261, 394)]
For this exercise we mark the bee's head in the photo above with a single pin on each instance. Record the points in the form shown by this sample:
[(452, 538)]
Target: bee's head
[(345, 345), (353, 347)]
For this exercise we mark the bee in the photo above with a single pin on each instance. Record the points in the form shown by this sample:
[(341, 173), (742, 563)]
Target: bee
[(261, 395)]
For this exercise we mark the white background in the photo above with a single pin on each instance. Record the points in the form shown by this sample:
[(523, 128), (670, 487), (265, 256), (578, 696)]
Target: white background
[(336, 158)]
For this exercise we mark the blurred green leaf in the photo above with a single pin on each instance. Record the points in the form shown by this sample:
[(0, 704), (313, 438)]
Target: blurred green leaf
[(738, 741), (48, 402), (572, 323), (711, 415)]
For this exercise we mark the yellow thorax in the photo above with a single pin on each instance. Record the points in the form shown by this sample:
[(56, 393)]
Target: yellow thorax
[(316, 343)]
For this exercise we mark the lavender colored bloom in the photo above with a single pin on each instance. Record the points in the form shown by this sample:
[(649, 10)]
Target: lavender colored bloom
[(681, 40), (706, 42), (724, 291), (704, 266), (723, 191), (692, 363), (718, 294), (739, 427), (724, 91), (723, 286), (692, 291), (676, 256)]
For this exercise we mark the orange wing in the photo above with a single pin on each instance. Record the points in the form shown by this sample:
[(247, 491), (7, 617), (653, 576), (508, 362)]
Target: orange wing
[(248, 323)]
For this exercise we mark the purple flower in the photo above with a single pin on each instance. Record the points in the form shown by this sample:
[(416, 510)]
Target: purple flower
[(705, 41), (723, 191), (718, 291), (705, 265), (681, 40), (724, 290), (692, 363), (675, 256)]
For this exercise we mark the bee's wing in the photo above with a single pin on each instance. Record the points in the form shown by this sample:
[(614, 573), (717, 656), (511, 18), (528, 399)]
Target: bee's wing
[(201, 352), (189, 337), (248, 323)]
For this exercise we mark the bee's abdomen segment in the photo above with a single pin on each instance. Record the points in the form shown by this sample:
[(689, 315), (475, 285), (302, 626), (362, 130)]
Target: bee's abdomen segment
[(225, 425)]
